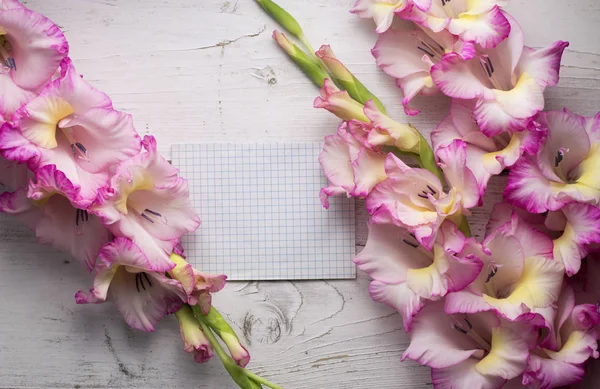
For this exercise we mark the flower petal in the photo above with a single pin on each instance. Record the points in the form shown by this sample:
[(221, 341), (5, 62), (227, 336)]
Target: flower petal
[(386, 256), (399, 297), (453, 161), (487, 29), (508, 356), (583, 228), (464, 375), (435, 343), (37, 46)]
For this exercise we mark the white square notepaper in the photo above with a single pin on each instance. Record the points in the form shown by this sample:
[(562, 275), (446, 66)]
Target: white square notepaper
[(261, 214)]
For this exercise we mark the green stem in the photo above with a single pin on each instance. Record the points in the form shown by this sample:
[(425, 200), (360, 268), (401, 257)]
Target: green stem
[(214, 342), (261, 380), (243, 377)]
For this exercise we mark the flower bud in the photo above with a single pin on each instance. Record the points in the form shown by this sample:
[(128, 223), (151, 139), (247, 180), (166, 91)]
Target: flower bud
[(282, 17), (345, 79), (194, 340), (220, 326), (305, 62), (340, 103)]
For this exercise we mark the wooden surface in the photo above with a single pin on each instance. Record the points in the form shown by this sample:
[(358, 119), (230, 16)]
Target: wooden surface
[(207, 70)]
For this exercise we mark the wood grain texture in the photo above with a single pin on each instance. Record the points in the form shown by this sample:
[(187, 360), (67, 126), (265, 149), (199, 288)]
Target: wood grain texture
[(207, 70)]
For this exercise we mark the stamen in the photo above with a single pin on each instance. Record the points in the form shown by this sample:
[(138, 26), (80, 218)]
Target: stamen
[(77, 217), (468, 323), (152, 212), (490, 63), (10, 63), (426, 52), (147, 217), (153, 216), (433, 192), (492, 273), (410, 243), (137, 285), (147, 279), (456, 326), (558, 159), (81, 148), (423, 196)]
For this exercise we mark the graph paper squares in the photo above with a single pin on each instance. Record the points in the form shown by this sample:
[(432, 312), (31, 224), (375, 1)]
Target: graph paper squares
[(261, 214)]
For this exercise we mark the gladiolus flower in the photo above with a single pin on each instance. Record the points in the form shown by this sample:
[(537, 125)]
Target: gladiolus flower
[(408, 54), (194, 340), (148, 203), (367, 118), (414, 198), (485, 156), (572, 229), (196, 284), (574, 339), (506, 83), (405, 274), (73, 126), (520, 273), (471, 351), (565, 170), (31, 48), (382, 11), (138, 287), (351, 168), (482, 22), (53, 208)]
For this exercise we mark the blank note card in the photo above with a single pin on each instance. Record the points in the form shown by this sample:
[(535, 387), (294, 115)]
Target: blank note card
[(261, 214)]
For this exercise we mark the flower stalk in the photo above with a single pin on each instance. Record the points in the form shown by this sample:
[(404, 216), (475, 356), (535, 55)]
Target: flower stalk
[(213, 323)]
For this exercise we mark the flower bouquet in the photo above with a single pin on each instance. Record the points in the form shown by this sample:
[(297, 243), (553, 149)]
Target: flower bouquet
[(518, 308), (75, 171)]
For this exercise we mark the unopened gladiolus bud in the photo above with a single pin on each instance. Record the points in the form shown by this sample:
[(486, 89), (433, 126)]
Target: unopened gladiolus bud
[(340, 103), (345, 79), (220, 326), (305, 62), (193, 338), (282, 17)]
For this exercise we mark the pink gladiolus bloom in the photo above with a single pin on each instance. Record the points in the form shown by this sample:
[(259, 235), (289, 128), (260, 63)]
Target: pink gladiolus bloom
[(382, 11), (507, 83), (572, 229), (31, 48), (71, 125), (366, 122), (196, 284), (485, 156), (405, 274), (53, 208), (481, 22), (573, 340), (414, 198), (477, 350), (194, 340), (408, 55), (137, 285), (350, 167), (565, 170), (520, 274), (148, 203)]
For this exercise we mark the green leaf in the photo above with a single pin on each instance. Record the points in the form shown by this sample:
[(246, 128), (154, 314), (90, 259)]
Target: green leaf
[(427, 158)]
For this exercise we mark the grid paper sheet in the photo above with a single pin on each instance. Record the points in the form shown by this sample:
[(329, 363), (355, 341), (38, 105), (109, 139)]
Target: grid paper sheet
[(261, 214)]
